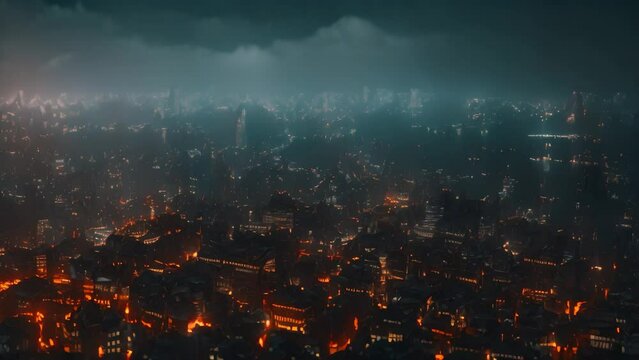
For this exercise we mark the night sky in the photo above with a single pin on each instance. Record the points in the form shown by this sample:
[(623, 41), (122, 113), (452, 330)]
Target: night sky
[(483, 48)]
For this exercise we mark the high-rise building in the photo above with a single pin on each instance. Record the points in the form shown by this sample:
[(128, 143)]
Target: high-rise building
[(575, 108), (173, 104), (240, 130), (427, 228), (98, 235), (41, 265), (508, 187), (44, 232), (366, 92), (415, 102), (163, 130)]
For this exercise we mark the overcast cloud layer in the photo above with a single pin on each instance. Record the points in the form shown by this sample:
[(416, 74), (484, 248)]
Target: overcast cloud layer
[(268, 47)]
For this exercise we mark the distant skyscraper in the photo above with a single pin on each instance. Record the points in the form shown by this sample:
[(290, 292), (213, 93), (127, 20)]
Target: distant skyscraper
[(575, 108), (44, 232), (365, 94), (240, 130), (325, 105), (41, 265), (164, 136), (221, 184), (415, 102), (173, 104), (508, 187), (18, 100)]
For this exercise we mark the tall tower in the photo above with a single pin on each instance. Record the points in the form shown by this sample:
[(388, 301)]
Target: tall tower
[(575, 108), (365, 94), (415, 102), (173, 103), (163, 130), (240, 130), (44, 232)]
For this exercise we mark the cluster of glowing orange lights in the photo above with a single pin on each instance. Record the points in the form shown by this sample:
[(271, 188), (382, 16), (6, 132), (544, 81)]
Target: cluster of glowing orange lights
[(197, 322), (574, 310), (39, 320), (4, 285)]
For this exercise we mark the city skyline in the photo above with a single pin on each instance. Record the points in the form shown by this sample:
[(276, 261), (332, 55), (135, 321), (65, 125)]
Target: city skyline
[(296, 179)]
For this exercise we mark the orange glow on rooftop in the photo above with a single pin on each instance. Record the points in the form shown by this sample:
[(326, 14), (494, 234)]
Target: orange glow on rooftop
[(334, 347), (577, 307), (9, 283), (197, 322)]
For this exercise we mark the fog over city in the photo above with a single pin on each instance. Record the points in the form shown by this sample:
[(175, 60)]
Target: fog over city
[(479, 48)]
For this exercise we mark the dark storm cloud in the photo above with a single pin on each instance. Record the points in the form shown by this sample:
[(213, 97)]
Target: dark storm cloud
[(498, 47)]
